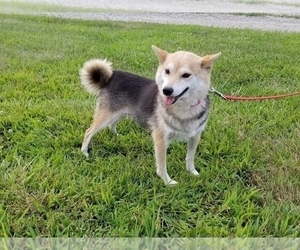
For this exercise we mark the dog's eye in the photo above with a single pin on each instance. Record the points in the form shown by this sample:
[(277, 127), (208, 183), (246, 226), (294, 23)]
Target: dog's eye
[(186, 75), (167, 71)]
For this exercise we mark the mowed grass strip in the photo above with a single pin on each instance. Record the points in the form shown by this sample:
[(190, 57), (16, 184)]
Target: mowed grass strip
[(248, 157)]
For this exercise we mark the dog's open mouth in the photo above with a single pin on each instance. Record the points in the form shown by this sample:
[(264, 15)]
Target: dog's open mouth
[(169, 100)]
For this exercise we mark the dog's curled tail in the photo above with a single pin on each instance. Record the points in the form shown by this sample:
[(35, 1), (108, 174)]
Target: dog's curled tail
[(95, 74)]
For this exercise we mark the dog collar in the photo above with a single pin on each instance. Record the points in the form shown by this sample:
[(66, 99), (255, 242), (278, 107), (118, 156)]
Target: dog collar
[(198, 102)]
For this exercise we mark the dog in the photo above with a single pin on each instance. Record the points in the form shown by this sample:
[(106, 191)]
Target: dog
[(174, 106)]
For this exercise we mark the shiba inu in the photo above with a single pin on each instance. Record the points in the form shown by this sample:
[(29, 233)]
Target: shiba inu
[(173, 106)]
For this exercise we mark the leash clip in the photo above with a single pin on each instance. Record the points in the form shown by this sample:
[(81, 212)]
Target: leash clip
[(213, 90)]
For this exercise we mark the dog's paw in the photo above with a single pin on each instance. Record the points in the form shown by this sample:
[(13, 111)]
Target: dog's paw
[(166, 178), (85, 153), (172, 182), (194, 172)]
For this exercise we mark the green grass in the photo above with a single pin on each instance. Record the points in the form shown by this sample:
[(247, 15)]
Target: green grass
[(248, 157), (11, 6), (26, 7)]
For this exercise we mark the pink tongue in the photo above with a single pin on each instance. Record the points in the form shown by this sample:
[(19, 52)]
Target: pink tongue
[(169, 100)]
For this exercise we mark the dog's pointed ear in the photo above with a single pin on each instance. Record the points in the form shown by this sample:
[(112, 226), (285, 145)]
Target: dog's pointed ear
[(207, 61), (161, 54)]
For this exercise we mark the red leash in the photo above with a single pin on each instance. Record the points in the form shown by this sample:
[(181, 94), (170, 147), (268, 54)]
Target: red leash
[(251, 98)]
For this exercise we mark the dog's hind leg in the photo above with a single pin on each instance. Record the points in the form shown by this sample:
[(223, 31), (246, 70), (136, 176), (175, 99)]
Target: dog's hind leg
[(102, 119), (160, 147), (113, 125), (190, 157)]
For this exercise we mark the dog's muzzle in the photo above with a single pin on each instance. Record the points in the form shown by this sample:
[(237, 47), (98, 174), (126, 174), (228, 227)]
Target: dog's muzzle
[(169, 100)]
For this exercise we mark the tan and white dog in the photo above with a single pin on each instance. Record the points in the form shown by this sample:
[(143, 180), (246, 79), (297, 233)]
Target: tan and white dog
[(174, 106)]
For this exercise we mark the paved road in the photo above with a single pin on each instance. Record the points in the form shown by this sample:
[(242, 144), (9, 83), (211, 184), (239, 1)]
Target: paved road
[(280, 15)]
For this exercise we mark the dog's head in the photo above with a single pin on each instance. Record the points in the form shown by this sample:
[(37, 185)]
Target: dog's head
[(183, 76)]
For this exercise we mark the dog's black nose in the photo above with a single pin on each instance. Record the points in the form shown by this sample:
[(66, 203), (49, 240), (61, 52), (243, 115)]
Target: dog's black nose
[(168, 91)]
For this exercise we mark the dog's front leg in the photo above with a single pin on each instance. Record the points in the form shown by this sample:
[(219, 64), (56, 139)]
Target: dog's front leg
[(190, 157), (160, 147)]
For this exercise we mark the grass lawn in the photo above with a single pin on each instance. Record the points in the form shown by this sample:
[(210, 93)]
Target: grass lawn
[(249, 156)]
